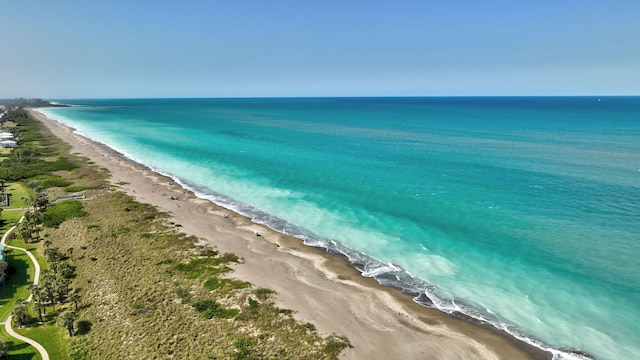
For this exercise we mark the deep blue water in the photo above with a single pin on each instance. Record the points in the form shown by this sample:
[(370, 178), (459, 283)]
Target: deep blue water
[(524, 212)]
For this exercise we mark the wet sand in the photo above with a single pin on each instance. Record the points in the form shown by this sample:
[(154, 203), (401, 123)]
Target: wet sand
[(323, 289)]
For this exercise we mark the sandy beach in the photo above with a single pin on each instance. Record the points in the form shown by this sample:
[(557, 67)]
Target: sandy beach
[(381, 323)]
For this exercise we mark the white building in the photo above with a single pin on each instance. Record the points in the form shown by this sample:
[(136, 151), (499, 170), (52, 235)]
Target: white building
[(5, 135), (7, 144)]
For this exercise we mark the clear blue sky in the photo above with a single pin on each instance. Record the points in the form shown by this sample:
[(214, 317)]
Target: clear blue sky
[(198, 48)]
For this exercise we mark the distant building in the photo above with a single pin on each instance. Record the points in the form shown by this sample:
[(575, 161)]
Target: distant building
[(4, 144), (5, 135)]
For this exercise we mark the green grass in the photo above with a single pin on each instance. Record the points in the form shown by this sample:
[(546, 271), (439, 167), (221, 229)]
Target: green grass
[(17, 284), (19, 350), (61, 211), (17, 191), (36, 249), (52, 337), (9, 218), (197, 267), (212, 309), (47, 181)]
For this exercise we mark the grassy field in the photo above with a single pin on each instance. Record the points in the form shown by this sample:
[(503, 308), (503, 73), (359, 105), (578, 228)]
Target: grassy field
[(12, 213), (16, 285), (17, 191), (52, 337), (18, 350)]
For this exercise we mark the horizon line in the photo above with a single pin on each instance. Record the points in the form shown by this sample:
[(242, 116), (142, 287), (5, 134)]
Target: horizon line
[(326, 97)]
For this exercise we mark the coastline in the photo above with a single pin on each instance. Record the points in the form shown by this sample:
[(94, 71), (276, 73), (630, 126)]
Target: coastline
[(321, 288)]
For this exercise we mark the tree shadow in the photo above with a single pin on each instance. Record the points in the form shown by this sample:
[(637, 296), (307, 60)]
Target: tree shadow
[(22, 356), (17, 275), (12, 348), (83, 327)]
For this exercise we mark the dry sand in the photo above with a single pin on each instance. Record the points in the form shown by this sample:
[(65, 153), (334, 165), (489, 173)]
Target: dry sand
[(381, 323)]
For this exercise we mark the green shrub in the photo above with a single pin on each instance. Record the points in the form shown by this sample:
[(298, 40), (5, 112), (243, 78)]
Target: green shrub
[(215, 283), (59, 212), (60, 164), (243, 345), (212, 309), (229, 257), (263, 293), (253, 304), (334, 344), (55, 181)]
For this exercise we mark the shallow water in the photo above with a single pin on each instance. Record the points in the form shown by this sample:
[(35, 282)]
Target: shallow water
[(519, 211)]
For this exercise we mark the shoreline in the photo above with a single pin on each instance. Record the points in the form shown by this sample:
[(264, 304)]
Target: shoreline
[(324, 289)]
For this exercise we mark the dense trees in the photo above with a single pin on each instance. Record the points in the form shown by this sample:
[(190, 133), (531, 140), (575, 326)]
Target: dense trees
[(55, 283)]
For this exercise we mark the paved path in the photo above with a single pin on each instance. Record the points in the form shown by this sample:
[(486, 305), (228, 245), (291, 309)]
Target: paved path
[(36, 277), (40, 348)]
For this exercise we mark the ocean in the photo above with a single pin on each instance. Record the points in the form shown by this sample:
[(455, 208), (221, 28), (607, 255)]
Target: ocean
[(523, 212)]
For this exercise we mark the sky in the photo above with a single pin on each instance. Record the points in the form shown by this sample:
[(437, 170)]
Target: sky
[(68, 49)]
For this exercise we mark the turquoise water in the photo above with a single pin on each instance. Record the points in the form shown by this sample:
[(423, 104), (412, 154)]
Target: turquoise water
[(523, 212)]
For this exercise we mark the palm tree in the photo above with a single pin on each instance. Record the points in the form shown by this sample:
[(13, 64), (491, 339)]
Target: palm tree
[(39, 307), (12, 236), (38, 201), (47, 278), (66, 321), (61, 287), (25, 234), (65, 270), (32, 221), (74, 297), (20, 315), (53, 255), (36, 296), (28, 217)]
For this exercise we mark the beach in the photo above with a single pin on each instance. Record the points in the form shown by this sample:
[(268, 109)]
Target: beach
[(323, 289)]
